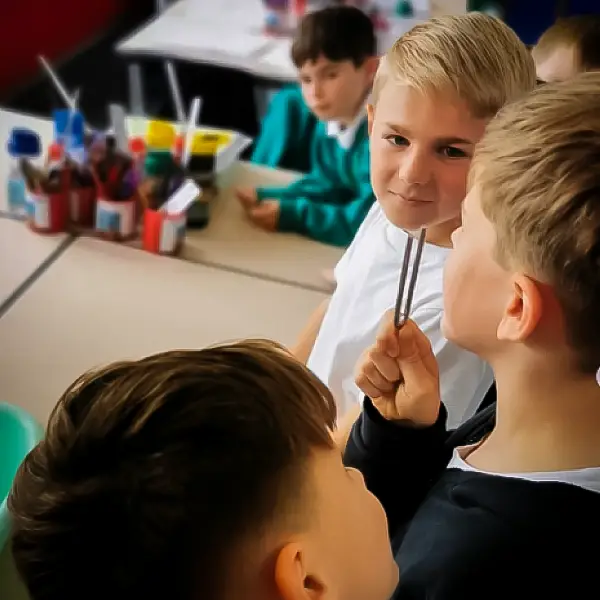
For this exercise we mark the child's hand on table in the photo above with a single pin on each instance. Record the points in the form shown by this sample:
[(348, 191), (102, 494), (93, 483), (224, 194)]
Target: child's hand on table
[(399, 373), (265, 215), (247, 197)]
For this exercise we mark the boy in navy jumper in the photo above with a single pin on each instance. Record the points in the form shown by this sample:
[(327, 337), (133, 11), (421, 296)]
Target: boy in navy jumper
[(507, 505), (334, 51)]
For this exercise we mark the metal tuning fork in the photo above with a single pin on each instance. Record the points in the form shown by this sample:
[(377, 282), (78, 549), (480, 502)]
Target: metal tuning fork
[(405, 296)]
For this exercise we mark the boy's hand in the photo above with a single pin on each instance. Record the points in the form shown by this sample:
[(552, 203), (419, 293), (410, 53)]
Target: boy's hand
[(247, 197), (400, 374), (265, 215)]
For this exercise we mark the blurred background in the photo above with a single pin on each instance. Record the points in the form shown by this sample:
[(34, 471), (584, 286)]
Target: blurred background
[(81, 42)]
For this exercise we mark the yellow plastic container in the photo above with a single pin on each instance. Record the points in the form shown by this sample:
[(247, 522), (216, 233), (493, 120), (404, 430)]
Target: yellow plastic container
[(209, 142), (160, 135)]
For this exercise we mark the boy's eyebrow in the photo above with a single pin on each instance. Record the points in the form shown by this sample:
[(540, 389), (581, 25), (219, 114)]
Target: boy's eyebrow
[(444, 141)]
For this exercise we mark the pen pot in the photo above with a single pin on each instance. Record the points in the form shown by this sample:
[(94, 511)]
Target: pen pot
[(163, 233), (116, 219), (82, 206), (48, 210)]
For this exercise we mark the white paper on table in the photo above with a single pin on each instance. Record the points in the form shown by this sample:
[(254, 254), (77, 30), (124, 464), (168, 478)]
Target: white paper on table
[(182, 199)]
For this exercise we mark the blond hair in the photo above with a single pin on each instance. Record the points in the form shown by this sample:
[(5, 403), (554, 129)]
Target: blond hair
[(474, 55), (581, 32), (537, 170)]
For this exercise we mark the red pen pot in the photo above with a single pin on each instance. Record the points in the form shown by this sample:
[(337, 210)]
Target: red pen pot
[(48, 212), (163, 233), (82, 206)]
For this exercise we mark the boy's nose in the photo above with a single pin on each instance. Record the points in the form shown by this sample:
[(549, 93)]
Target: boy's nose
[(414, 168), (318, 91)]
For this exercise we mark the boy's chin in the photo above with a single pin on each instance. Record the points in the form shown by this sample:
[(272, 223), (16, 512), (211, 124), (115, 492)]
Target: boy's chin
[(410, 220)]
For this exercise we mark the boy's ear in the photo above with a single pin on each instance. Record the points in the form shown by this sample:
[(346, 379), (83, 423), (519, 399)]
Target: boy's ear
[(371, 66), (522, 312), (370, 117), (295, 579)]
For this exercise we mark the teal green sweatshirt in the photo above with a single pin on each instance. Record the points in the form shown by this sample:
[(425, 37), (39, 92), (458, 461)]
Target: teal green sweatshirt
[(286, 133), (331, 202)]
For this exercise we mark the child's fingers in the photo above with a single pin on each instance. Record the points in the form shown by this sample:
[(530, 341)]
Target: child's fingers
[(371, 381), (423, 347), (386, 365), (387, 335)]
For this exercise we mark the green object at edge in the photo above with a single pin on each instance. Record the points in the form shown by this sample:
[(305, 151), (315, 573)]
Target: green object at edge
[(404, 8), (19, 434)]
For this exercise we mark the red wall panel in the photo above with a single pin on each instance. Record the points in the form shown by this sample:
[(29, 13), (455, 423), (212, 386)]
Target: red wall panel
[(54, 28)]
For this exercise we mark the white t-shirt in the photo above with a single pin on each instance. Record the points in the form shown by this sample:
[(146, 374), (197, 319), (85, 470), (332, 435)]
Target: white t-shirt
[(588, 479), (367, 284)]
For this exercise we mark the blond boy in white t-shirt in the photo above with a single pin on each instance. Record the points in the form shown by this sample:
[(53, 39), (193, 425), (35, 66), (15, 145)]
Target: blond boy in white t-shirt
[(433, 95)]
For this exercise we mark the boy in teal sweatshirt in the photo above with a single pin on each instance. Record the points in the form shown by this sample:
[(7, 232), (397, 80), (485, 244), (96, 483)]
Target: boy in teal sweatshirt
[(286, 133), (335, 53)]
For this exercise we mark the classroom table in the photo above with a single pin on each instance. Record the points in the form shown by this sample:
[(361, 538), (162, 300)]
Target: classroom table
[(101, 302), (24, 254), (230, 34), (230, 241)]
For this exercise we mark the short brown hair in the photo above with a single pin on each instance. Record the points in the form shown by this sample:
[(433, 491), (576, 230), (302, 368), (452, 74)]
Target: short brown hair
[(537, 169), (338, 33), (581, 32), (152, 471), (476, 56)]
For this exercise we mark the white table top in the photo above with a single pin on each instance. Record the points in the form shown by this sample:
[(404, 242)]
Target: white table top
[(23, 253), (229, 33), (230, 241), (102, 302)]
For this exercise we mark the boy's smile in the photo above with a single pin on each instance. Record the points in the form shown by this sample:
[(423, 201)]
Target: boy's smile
[(421, 148)]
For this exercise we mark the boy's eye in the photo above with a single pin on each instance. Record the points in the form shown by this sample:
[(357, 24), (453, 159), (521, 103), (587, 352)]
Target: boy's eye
[(397, 140), (331, 74), (452, 152)]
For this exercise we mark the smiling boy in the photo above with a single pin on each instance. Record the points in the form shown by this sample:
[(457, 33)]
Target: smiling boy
[(433, 95)]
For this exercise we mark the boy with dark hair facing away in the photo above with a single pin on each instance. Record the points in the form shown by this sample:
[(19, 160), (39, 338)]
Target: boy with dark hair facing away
[(570, 46), (507, 505), (335, 53), (197, 475)]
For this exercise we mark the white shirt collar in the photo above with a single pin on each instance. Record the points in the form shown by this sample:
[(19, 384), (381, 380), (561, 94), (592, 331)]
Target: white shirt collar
[(345, 135)]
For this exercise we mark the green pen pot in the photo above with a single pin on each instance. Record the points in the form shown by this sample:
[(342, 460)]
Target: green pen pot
[(158, 163)]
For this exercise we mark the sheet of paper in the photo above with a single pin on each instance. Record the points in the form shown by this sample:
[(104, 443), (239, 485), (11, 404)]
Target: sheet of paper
[(182, 199)]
